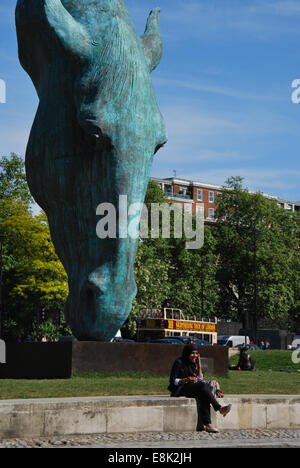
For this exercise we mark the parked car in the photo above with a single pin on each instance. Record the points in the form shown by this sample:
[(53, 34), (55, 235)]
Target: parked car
[(166, 341), (64, 339), (250, 347), (202, 343), (182, 339), (189, 339), (233, 341), (119, 339)]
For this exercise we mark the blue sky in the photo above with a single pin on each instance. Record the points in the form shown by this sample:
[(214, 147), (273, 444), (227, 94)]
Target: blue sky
[(223, 87)]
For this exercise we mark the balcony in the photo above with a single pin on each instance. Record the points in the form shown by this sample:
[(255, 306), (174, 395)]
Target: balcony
[(179, 195)]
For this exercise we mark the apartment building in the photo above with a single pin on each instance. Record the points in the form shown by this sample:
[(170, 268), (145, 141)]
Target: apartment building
[(198, 195)]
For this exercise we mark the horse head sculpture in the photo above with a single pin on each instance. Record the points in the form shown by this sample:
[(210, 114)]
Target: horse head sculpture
[(94, 135)]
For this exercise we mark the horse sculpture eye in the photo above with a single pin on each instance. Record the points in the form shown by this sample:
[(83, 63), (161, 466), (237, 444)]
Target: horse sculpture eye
[(88, 144)]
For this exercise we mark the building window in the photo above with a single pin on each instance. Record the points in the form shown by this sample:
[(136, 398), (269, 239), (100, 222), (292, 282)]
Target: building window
[(211, 213), (200, 208), (211, 197), (199, 195)]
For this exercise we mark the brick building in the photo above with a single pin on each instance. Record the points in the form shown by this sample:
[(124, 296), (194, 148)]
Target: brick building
[(198, 195)]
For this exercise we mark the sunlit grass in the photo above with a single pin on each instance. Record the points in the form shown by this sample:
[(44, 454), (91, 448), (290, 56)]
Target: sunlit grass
[(261, 382)]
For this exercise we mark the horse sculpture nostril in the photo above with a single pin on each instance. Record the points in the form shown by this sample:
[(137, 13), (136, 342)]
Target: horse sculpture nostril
[(90, 127)]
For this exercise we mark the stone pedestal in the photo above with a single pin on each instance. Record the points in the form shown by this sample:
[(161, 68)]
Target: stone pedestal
[(37, 361), (62, 360)]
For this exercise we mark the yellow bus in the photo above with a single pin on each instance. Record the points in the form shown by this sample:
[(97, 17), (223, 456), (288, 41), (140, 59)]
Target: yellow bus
[(169, 322)]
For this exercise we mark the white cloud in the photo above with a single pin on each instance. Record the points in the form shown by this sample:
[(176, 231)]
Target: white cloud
[(215, 89), (190, 122), (260, 20), (187, 121)]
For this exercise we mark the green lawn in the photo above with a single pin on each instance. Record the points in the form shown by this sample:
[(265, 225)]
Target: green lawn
[(260, 382), (274, 359), (237, 382), (82, 385)]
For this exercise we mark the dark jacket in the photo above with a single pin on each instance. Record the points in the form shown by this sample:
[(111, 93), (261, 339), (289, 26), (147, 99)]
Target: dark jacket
[(182, 368), (179, 371), (245, 361)]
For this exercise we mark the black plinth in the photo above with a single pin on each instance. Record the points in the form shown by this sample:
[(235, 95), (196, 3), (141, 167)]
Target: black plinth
[(62, 360), (37, 361)]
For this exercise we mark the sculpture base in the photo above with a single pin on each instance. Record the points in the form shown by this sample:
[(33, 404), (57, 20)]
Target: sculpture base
[(37, 361), (62, 360)]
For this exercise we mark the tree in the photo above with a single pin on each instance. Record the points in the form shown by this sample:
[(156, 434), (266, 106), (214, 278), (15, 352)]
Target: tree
[(153, 285), (34, 279), (155, 194), (194, 287), (292, 320), (13, 183), (257, 243), (166, 272), (152, 267)]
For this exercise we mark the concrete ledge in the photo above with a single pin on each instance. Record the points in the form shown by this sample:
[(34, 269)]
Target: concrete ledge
[(260, 412), (92, 415)]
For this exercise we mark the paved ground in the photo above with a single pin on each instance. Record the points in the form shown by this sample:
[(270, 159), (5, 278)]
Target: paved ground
[(284, 438)]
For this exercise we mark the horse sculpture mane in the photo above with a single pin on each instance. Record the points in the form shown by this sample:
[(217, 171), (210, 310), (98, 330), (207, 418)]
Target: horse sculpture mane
[(95, 132)]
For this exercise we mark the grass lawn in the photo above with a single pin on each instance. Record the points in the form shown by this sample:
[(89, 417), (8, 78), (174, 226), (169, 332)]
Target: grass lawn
[(84, 385), (237, 382), (274, 359), (261, 382)]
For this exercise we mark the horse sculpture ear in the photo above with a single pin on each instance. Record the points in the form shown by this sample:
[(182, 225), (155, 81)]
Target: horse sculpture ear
[(152, 40), (72, 35)]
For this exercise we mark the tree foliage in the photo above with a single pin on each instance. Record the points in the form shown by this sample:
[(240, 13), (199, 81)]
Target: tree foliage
[(194, 288), (168, 274), (32, 277), (13, 183), (257, 244)]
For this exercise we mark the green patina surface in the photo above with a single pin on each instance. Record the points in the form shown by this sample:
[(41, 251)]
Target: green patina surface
[(95, 132)]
